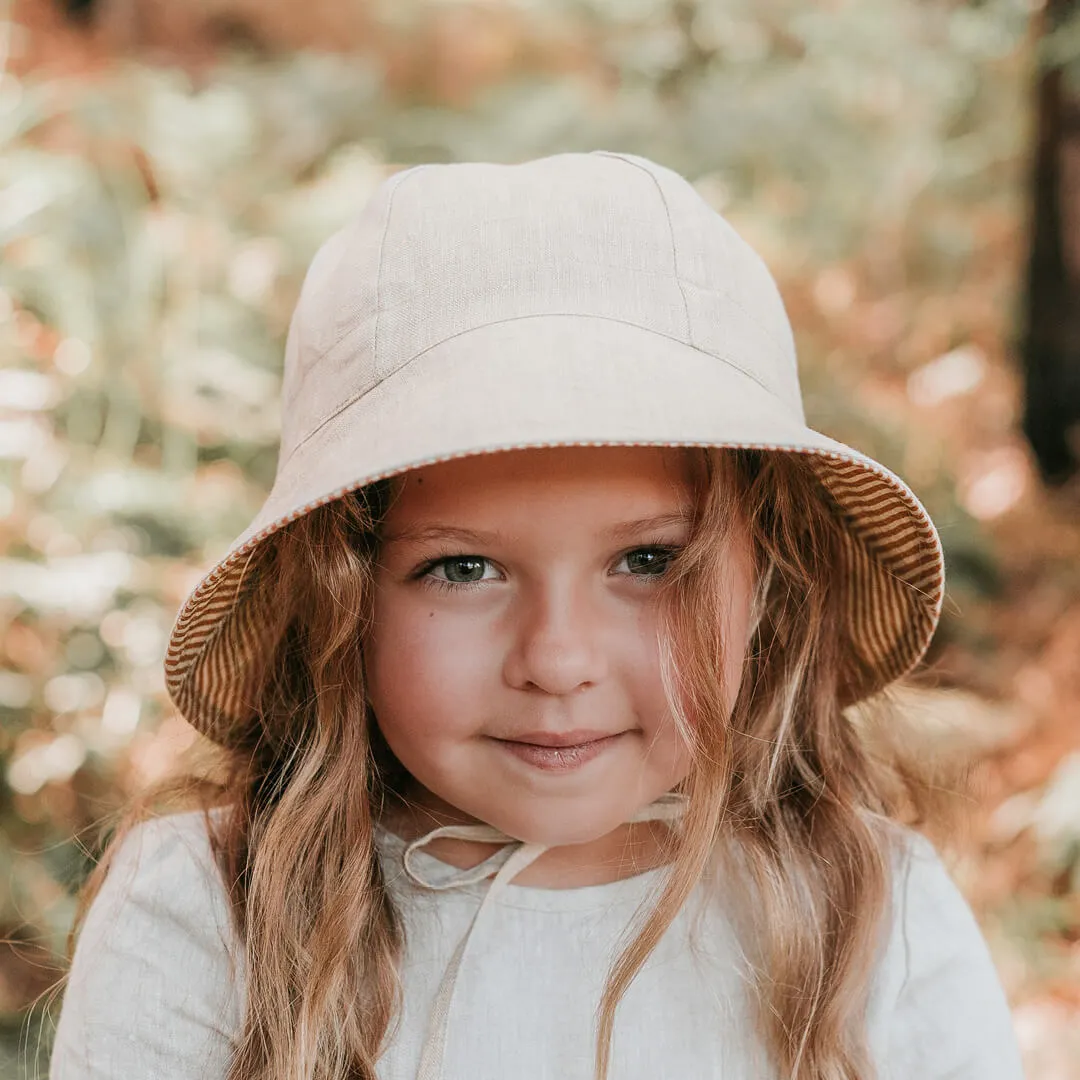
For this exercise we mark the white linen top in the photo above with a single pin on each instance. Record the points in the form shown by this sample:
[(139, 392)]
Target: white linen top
[(156, 989)]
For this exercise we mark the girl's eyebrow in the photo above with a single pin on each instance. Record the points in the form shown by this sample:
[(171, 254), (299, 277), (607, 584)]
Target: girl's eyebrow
[(426, 533)]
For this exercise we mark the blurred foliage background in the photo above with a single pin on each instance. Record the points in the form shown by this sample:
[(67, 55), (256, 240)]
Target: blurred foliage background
[(168, 170)]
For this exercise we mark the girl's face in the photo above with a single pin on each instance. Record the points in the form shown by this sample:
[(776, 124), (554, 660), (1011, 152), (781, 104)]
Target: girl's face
[(515, 604)]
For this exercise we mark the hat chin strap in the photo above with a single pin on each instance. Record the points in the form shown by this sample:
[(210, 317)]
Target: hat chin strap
[(505, 864)]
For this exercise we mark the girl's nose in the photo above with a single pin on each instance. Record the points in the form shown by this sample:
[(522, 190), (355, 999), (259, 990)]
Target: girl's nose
[(559, 644)]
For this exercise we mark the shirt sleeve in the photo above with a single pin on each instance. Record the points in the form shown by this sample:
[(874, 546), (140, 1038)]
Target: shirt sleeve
[(152, 990), (951, 1020)]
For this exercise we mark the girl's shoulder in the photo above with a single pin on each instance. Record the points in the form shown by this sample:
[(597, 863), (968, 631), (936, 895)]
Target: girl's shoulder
[(926, 899), (169, 843), (169, 840), (941, 1007), (155, 986), (167, 863), (930, 916), (163, 884)]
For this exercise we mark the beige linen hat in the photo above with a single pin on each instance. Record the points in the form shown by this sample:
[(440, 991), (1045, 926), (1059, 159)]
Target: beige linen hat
[(582, 298)]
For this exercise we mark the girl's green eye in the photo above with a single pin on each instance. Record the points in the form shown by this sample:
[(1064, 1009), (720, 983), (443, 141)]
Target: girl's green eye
[(463, 569), (648, 562)]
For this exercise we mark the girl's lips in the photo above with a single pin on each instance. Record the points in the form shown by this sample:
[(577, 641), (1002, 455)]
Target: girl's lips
[(559, 758)]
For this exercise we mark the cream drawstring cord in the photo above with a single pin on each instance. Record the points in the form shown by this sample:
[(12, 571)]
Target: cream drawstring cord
[(505, 864)]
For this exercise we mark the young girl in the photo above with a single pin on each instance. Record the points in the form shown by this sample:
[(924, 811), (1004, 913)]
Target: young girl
[(534, 683)]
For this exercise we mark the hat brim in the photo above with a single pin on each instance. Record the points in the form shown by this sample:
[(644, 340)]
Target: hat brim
[(558, 380)]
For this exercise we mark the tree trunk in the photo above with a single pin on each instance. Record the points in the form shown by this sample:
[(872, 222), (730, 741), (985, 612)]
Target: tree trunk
[(1050, 347)]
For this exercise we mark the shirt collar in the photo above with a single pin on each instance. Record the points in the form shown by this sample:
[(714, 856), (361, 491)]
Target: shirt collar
[(504, 865)]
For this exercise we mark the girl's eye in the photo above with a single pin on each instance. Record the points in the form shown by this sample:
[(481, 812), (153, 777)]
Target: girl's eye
[(649, 562), (463, 571), (458, 570)]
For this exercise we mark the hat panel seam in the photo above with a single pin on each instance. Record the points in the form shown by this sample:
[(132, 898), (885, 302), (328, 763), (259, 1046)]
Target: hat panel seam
[(401, 178), (674, 247), (782, 349), (731, 297), (366, 389), (356, 325), (353, 227), (295, 333), (683, 281)]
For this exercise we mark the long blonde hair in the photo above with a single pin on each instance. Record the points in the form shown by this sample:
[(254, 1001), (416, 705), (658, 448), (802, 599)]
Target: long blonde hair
[(784, 773)]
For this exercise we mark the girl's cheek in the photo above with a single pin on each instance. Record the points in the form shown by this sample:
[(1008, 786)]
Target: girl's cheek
[(433, 634), (423, 660)]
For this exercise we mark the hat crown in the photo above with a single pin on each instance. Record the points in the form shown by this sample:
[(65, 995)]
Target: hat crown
[(439, 250)]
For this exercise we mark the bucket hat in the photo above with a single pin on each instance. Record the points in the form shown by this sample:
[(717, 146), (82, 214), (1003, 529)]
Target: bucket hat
[(577, 299)]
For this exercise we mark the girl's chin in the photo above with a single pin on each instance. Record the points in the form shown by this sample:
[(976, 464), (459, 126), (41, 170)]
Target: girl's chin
[(551, 817), (577, 831)]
